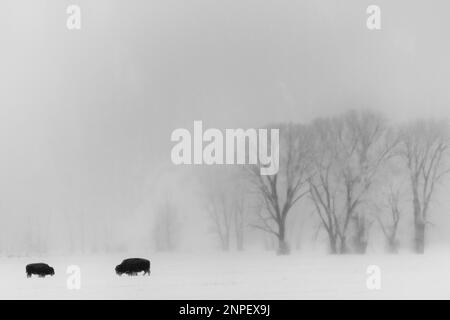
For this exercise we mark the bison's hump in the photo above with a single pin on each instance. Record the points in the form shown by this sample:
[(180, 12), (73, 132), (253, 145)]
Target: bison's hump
[(134, 260)]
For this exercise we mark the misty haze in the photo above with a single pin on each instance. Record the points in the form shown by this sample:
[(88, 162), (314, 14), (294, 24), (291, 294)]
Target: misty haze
[(87, 179)]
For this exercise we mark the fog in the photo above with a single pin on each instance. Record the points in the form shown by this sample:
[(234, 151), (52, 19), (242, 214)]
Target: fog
[(86, 115)]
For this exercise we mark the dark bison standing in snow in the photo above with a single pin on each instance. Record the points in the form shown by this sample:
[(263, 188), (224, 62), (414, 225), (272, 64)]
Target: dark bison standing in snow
[(132, 266), (39, 269)]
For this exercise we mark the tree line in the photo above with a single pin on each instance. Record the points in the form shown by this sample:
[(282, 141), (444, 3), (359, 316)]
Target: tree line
[(355, 170)]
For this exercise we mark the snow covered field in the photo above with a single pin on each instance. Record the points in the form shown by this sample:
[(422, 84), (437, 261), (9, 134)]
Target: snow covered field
[(236, 276)]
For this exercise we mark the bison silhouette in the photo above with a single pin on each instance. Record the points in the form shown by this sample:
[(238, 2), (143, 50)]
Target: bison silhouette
[(39, 269), (133, 266)]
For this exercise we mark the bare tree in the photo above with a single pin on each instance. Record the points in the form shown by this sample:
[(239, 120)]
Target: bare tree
[(167, 227), (227, 202), (220, 211), (239, 216), (424, 148), (218, 196), (280, 192), (366, 143), (323, 186), (390, 228), (244, 202), (349, 150)]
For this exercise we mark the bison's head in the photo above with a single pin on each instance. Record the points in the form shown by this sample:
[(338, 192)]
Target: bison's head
[(119, 269), (52, 271)]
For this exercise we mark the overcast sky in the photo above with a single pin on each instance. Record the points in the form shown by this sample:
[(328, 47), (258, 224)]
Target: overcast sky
[(86, 116)]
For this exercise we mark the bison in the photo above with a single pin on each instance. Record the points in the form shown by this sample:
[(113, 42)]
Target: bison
[(39, 269), (132, 266)]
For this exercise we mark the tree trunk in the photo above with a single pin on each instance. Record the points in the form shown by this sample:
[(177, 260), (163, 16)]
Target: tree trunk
[(283, 246), (239, 237), (392, 245), (419, 239), (343, 245), (419, 227), (360, 238), (361, 246), (333, 244), (240, 244), (360, 242), (226, 241)]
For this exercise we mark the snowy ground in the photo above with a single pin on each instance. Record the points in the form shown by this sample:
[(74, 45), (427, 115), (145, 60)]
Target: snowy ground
[(236, 276)]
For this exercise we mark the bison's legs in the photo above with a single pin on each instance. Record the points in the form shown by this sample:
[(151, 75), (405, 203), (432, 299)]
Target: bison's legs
[(28, 275)]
